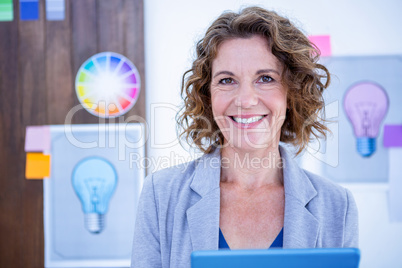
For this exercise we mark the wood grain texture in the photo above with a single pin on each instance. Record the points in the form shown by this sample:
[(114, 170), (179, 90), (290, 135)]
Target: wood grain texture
[(110, 25), (10, 144), (133, 48), (32, 86), (59, 70), (38, 63), (84, 40)]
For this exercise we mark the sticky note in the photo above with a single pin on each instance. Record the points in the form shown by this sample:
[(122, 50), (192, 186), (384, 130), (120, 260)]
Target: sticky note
[(6, 10), (55, 9), (393, 136), (395, 185), (393, 141), (29, 9), (37, 166), (323, 42), (37, 139)]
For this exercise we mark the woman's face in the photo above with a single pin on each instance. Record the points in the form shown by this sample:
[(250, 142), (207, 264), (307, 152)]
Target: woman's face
[(248, 98)]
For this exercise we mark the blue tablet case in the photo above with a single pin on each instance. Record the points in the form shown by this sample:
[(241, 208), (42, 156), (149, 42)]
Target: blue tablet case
[(278, 258)]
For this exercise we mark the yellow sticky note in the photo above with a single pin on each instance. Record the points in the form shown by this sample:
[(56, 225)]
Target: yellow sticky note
[(37, 166)]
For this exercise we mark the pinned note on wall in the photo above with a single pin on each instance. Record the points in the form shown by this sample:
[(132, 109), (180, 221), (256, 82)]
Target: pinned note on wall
[(55, 9), (37, 166), (6, 10), (393, 136), (29, 9), (393, 141), (323, 43), (37, 139)]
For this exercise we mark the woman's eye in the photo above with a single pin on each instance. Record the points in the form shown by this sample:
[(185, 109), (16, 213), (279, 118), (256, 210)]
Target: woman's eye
[(265, 79), (226, 81)]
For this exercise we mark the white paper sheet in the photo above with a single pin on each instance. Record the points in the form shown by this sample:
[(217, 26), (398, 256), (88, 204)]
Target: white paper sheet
[(395, 184)]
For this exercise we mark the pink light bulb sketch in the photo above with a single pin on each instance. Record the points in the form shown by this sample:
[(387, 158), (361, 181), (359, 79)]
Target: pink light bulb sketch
[(366, 104)]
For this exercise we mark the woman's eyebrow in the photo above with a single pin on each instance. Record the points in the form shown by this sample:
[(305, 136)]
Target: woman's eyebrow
[(268, 71), (258, 72), (223, 72)]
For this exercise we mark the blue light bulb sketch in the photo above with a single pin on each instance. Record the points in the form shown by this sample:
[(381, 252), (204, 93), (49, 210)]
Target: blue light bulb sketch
[(94, 180)]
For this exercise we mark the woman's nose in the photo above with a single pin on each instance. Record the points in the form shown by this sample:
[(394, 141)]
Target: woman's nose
[(246, 97)]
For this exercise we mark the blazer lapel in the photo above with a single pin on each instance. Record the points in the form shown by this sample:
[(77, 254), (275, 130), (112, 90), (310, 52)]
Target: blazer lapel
[(203, 216), (301, 228)]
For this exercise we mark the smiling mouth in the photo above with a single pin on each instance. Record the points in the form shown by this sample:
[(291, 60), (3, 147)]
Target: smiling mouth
[(249, 120)]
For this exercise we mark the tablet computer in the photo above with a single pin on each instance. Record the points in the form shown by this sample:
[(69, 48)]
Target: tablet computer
[(278, 258)]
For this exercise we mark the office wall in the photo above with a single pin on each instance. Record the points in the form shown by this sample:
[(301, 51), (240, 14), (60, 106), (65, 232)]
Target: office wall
[(38, 63), (357, 28)]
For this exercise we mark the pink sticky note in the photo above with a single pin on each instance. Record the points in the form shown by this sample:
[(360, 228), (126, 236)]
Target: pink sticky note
[(323, 42), (37, 139)]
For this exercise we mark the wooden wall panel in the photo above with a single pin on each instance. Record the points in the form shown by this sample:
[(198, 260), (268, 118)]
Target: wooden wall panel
[(11, 146), (32, 85), (59, 71), (134, 48), (84, 42), (110, 25), (38, 63)]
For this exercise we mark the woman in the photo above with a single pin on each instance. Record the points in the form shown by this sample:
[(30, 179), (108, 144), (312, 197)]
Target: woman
[(255, 82)]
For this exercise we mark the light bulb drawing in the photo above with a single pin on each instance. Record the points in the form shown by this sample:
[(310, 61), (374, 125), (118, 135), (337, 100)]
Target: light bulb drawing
[(366, 104), (94, 180)]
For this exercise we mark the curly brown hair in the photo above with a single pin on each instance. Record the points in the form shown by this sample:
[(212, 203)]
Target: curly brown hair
[(303, 77)]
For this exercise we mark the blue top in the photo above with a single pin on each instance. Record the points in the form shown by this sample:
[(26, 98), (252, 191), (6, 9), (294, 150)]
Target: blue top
[(278, 242)]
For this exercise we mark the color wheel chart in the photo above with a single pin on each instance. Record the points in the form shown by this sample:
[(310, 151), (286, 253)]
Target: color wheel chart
[(107, 85)]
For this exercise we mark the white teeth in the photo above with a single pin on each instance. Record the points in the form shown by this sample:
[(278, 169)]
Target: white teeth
[(248, 120)]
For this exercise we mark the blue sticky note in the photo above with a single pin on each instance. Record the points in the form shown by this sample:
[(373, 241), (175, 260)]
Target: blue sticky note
[(55, 9), (29, 9)]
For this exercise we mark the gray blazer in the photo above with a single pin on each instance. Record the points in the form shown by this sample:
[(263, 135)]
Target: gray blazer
[(179, 207)]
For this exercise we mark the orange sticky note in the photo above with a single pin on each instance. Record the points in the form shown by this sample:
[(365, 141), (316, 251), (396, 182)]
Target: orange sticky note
[(37, 166)]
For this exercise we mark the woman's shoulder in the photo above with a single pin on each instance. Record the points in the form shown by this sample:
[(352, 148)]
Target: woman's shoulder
[(178, 187), (306, 185), (334, 206), (329, 193), (181, 177), (325, 185), (170, 177)]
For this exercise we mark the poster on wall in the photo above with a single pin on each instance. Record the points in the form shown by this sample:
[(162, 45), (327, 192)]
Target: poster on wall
[(363, 96), (366, 104), (91, 195)]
